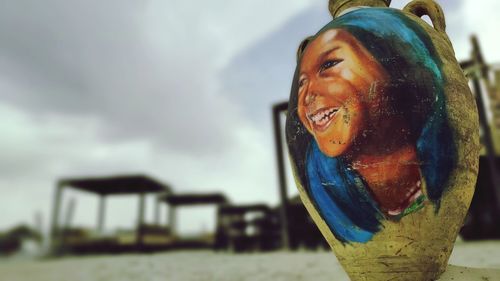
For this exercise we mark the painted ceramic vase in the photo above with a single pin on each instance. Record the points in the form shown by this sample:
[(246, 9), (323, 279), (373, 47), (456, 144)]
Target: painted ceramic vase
[(383, 137)]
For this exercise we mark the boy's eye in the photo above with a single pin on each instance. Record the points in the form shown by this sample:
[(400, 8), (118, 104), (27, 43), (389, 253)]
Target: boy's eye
[(302, 82), (329, 63)]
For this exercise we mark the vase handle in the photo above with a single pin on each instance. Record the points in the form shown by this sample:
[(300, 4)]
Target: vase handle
[(430, 8)]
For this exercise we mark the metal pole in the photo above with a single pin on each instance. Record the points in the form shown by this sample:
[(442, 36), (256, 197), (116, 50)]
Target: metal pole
[(277, 109), (102, 213)]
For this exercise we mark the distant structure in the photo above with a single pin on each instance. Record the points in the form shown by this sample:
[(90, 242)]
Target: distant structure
[(145, 237), (175, 201), (257, 227), (483, 220), (14, 240), (242, 228)]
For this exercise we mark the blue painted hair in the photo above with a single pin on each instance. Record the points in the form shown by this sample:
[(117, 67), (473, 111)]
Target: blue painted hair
[(416, 92)]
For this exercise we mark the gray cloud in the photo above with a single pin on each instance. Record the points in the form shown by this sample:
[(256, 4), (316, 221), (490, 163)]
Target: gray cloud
[(96, 59)]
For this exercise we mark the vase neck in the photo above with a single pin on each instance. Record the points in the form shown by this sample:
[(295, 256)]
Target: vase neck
[(337, 7)]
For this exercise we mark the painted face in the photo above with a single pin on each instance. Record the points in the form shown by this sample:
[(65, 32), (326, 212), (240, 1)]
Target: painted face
[(341, 91)]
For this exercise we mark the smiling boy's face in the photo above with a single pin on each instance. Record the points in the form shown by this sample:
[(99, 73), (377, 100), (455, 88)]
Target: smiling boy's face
[(341, 89)]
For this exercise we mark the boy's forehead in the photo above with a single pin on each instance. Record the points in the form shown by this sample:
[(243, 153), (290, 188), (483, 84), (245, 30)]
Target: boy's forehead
[(323, 42), (327, 36)]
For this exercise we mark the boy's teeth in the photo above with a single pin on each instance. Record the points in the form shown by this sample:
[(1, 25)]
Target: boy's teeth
[(323, 116)]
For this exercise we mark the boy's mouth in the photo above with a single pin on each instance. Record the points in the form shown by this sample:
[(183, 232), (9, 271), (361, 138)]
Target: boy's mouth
[(321, 118)]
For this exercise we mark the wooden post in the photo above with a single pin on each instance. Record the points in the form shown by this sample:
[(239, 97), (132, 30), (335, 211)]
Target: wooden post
[(55, 239), (70, 210), (157, 211), (102, 213), (171, 218), (277, 109), (140, 220), (497, 85), (495, 107), (38, 224)]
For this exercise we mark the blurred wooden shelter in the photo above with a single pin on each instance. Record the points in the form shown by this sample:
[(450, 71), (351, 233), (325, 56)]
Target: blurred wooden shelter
[(79, 240), (258, 227), (175, 201), (252, 227)]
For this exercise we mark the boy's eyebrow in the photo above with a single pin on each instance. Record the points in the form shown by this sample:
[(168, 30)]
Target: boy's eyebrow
[(323, 55), (326, 53)]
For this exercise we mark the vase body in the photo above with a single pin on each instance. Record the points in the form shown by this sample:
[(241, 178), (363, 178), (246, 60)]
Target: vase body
[(382, 131)]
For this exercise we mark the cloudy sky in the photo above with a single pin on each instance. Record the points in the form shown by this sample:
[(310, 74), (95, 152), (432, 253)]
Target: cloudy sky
[(179, 90)]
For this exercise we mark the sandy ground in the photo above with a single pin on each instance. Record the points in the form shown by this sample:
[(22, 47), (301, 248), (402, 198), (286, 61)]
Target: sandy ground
[(470, 262)]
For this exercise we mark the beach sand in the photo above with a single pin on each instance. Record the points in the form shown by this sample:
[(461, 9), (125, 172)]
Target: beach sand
[(469, 262)]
